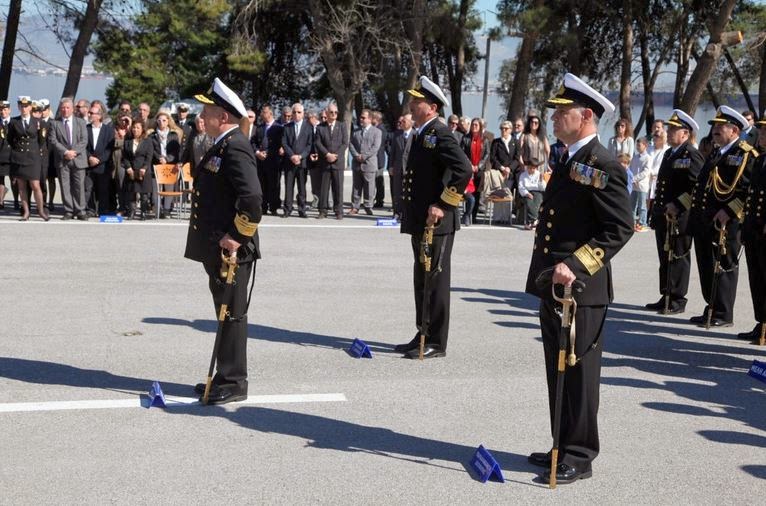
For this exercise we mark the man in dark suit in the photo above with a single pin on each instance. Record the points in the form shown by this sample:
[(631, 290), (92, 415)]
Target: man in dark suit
[(380, 185), (718, 201), (331, 144), (69, 141), (297, 141), (435, 178), (681, 164), (99, 176), (401, 143), (314, 164), (585, 219), (266, 143), (227, 210)]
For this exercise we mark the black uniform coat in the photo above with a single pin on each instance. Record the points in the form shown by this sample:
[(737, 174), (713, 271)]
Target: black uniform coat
[(675, 184), (583, 225), (754, 237), (139, 159), (226, 199), (5, 151), (437, 172), (25, 148)]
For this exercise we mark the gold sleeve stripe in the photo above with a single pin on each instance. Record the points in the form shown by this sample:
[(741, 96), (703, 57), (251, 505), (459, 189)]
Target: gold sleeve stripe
[(590, 258), (686, 200), (737, 206), (451, 197), (245, 226)]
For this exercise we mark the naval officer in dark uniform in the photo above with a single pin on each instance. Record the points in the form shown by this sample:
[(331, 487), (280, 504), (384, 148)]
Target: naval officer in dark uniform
[(585, 219), (435, 179), (681, 164), (719, 200), (226, 210), (754, 237)]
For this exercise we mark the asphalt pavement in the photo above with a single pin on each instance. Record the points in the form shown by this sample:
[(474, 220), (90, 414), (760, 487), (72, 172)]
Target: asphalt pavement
[(96, 312)]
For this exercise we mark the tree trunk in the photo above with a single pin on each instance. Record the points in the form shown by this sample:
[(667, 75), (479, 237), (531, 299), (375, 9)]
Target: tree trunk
[(413, 27), (486, 79), (706, 64), (458, 74), (627, 59), (524, 57), (9, 47), (647, 111), (80, 49)]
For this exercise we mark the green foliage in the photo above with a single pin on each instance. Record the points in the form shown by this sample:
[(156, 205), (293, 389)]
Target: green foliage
[(172, 50)]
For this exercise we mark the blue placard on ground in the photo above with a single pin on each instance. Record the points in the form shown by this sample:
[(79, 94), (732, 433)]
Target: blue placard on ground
[(156, 397), (758, 370), (359, 349), (387, 222), (110, 218), (486, 466)]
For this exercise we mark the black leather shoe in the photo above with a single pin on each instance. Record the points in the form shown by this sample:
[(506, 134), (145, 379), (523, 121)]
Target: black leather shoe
[(322, 216), (718, 323), (368, 211), (540, 459), (656, 306), (678, 309), (567, 474), (698, 319), (82, 217), (223, 395), (302, 214), (67, 216), (404, 348), (430, 351), (753, 334)]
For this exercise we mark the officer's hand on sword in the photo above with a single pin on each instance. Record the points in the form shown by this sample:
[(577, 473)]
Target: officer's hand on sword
[(229, 244)]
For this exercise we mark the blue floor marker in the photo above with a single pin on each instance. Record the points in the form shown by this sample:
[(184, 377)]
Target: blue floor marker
[(486, 466), (156, 397), (359, 349)]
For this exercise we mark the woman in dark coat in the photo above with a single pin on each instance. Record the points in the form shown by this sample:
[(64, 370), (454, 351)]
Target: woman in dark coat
[(137, 156), (476, 147)]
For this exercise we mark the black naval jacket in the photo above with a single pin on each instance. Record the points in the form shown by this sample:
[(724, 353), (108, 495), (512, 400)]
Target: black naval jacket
[(719, 174), (5, 146), (226, 199), (755, 204), (437, 173), (675, 182), (585, 219), (25, 145)]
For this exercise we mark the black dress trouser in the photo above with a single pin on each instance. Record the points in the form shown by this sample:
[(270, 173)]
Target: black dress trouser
[(231, 360), (706, 252), (578, 437), (680, 267), (755, 253), (440, 288)]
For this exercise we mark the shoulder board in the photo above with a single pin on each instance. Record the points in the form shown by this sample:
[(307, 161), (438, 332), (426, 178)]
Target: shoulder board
[(745, 146)]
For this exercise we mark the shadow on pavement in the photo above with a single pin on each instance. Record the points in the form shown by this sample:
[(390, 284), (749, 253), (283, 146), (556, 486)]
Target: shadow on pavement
[(273, 334), (339, 435), (49, 373)]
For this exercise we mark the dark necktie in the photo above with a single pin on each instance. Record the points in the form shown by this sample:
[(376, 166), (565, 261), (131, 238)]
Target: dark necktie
[(564, 158)]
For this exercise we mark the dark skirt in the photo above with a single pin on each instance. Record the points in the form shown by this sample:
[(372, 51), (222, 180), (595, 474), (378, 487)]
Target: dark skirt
[(28, 172), (5, 169)]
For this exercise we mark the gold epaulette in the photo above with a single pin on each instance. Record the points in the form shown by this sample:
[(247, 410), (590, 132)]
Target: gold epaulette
[(745, 146)]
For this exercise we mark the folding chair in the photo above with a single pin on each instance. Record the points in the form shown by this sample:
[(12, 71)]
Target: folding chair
[(491, 201), (187, 183), (166, 174)]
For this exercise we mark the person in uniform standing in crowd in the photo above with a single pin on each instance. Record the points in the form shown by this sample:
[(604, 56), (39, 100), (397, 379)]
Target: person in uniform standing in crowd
[(69, 140), (718, 201), (680, 167), (435, 178), (332, 143), (754, 237), (184, 122), (267, 144), (585, 220), (5, 149), (227, 210), (24, 136)]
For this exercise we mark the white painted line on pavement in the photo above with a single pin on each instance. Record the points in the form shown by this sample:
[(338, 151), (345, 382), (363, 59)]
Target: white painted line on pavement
[(171, 402), (185, 224)]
